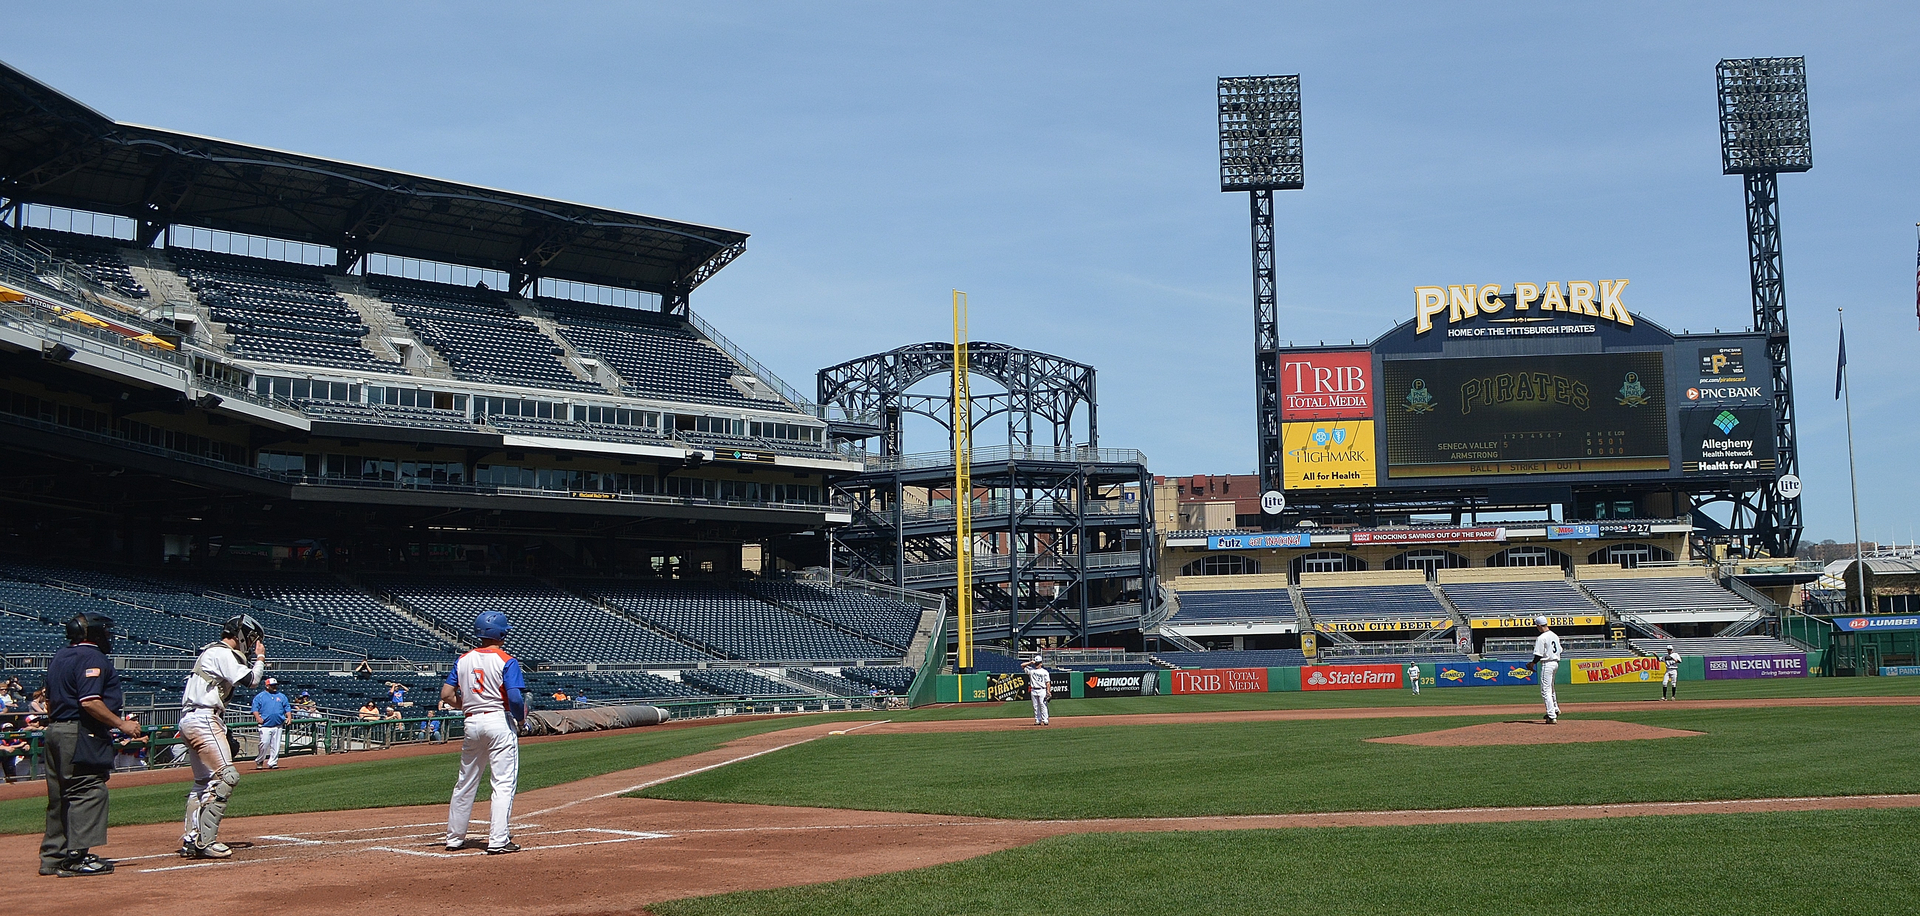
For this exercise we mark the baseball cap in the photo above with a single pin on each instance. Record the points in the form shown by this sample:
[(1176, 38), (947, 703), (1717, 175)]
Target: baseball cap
[(272, 681), (1540, 621)]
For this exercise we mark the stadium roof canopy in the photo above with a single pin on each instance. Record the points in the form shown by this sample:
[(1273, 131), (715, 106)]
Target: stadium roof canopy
[(57, 151)]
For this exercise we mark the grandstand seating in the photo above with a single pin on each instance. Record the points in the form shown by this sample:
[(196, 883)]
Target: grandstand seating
[(880, 619), (734, 682), (1262, 604), (96, 258), (386, 415), (569, 429), (550, 624), (891, 678), (1371, 602), (656, 356), (737, 624), (278, 311), (329, 604), (830, 684), (1718, 645), (1519, 599), (479, 335), (1666, 593), (1233, 658), (638, 685)]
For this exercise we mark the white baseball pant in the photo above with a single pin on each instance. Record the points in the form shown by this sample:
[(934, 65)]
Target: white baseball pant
[(1672, 677), (270, 736), (214, 775), (1040, 705), (490, 740), (1547, 671)]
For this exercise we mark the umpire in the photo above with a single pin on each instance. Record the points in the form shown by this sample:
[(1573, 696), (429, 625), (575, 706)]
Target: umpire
[(83, 702)]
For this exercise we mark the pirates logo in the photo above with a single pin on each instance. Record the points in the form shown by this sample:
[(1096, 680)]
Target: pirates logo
[(1632, 393), (1419, 399)]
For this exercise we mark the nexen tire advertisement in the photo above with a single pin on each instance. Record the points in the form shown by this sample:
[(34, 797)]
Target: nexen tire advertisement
[(1120, 684)]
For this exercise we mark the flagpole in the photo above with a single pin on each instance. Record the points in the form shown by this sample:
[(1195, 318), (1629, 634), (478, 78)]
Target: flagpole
[(1853, 480)]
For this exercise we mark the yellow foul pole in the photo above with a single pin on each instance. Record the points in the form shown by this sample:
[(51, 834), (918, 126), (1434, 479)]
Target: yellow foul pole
[(962, 485)]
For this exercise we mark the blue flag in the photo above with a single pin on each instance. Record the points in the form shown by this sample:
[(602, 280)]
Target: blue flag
[(1840, 371)]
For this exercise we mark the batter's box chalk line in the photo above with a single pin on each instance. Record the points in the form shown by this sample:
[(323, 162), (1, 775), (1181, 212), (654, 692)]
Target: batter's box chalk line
[(610, 836)]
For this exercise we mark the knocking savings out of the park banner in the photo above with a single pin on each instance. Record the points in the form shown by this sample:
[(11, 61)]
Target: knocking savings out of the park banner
[(1617, 670)]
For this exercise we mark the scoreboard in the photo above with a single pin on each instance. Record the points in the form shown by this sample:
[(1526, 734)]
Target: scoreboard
[(1517, 415)]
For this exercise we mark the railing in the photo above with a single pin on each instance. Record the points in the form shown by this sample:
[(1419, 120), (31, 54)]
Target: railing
[(1396, 648), (1523, 645), (1105, 508), (779, 385), (1079, 454), (942, 569)]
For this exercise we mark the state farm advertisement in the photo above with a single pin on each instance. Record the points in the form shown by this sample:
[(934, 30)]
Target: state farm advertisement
[(1327, 386), (1351, 677), (1221, 680)]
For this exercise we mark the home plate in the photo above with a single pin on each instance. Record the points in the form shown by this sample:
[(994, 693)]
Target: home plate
[(1535, 731)]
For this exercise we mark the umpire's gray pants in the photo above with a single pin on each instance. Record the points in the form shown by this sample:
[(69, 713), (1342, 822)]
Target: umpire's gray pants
[(76, 804)]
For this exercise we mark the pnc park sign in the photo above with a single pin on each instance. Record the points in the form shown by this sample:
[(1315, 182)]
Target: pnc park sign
[(1531, 302)]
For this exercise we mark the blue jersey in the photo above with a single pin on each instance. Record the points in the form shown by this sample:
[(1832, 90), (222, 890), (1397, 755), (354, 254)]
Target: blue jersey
[(80, 672), (272, 707)]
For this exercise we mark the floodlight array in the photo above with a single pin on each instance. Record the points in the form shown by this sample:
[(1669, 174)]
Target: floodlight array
[(1763, 116), (1260, 146)]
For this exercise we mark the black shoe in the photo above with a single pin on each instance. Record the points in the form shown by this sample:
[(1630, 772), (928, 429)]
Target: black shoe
[(1551, 720), (509, 846), (84, 866)]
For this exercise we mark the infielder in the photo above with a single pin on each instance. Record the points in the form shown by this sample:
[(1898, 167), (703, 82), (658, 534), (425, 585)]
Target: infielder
[(270, 709), (1546, 662), (488, 686), (1671, 680), (221, 667), (1413, 677), (1039, 687)]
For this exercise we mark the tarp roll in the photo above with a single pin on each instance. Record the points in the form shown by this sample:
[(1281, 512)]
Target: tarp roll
[(598, 718)]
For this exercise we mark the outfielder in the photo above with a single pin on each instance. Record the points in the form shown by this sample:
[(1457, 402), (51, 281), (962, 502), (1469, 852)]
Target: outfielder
[(222, 666), (1546, 661), (1039, 688), (1671, 680), (1413, 677), (488, 686)]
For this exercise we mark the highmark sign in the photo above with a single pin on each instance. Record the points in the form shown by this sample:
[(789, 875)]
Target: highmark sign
[(1532, 303)]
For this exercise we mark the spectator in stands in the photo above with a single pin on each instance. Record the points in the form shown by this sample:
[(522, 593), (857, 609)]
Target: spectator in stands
[(369, 712), (15, 695), (38, 705), (305, 707), (391, 713), (559, 696), (396, 693), (129, 751), (13, 750), (363, 671)]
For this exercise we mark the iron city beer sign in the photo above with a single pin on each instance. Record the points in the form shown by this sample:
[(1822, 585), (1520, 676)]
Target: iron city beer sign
[(1597, 299)]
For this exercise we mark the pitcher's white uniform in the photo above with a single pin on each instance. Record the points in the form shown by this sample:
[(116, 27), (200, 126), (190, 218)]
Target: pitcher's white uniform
[(1546, 648), (1039, 689), (216, 673), (1671, 679), (483, 677), (1413, 677)]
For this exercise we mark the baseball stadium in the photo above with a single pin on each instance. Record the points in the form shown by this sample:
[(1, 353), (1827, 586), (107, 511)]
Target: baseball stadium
[(778, 660)]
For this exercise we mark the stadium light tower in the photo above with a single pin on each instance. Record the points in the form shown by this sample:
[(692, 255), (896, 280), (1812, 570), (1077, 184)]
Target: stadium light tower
[(1260, 152), (1764, 131)]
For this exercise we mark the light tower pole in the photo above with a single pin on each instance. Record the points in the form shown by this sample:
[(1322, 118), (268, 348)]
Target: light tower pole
[(1764, 131), (1260, 152)]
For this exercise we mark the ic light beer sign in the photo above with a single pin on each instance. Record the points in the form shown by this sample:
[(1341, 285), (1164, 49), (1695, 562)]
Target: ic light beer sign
[(1531, 302)]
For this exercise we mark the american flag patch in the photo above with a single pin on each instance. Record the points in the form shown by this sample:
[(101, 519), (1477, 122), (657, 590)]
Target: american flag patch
[(92, 672)]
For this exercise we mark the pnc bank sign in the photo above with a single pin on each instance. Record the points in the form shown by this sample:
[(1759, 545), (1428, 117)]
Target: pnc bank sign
[(1530, 302)]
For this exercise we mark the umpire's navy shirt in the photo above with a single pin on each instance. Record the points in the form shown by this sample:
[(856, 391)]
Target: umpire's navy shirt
[(79, 672)]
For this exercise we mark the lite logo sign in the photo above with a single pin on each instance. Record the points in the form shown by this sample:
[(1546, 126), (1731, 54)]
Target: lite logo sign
[(1460, 303)]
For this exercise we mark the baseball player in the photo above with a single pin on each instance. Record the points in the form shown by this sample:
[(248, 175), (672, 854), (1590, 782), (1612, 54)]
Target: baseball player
[(1039, 687), (1546, 661), (221, 667), (270, 709), (488, 686), (1413, 677), (1670, 681)]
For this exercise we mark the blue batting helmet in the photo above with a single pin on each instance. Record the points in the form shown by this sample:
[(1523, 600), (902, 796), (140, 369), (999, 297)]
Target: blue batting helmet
[(492, 625)]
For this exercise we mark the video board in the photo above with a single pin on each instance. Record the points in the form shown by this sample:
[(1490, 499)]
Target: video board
[(1520, 415)]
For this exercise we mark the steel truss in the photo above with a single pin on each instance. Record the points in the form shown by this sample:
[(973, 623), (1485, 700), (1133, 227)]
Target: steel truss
[(1043, 392)]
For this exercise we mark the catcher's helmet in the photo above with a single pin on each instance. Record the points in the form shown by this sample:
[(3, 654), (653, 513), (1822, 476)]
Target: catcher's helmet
[(492, 625), (243, 629), (92, 628)]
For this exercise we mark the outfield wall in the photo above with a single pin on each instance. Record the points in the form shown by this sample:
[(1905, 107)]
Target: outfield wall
[(983, 688)]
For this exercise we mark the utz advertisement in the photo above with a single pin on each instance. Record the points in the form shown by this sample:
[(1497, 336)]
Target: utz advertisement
[(1221, 680), (1352, 677), (1732, 667), (1482, 674), (1120, 683), (1327, 386), (1617, 670)]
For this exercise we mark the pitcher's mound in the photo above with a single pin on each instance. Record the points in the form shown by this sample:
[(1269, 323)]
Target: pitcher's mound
[(1534, 731)]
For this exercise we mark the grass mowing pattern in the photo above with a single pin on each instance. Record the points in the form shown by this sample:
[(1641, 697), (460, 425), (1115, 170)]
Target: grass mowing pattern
[(1286, 767), (424, 780), (1821, 863)]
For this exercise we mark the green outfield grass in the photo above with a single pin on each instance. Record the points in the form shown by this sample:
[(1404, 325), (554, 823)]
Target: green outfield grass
[(1824, 863), (1280, 767), (424, 780)]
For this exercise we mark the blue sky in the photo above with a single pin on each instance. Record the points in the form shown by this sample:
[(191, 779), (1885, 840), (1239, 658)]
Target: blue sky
[(1058, 162)]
